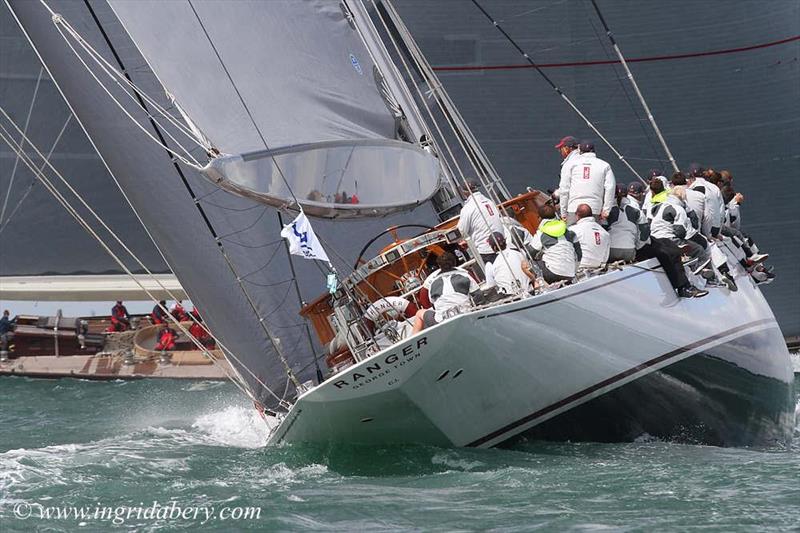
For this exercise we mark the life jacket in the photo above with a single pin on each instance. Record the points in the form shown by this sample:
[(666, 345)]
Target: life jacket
[(555, 227)]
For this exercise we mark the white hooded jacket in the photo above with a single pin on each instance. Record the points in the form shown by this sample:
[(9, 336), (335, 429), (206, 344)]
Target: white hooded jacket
[(591, 182)]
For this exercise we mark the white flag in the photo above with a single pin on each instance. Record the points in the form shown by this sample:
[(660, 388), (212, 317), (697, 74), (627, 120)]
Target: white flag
[(302, 240)]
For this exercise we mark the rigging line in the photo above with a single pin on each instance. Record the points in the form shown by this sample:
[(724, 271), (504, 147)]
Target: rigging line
[(193, 164), (301, 302), (475, 154), (636, 87), (469, 143), (34, 181), (252, 246), (248, 228), (69, 105), (262, 267), (557, 89), (232, 209), (536, 9), (71, 210), (45, 181), (451, 176), (726, 51), (277, 166), (267, 285), (28, 161), (118, 77), (244, 104), (24, 132), (625, 91), (47, 162), (6, 137), (190, 190)]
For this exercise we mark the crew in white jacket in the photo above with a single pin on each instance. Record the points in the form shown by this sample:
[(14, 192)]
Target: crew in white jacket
[(558, 249), (568, 148), (479, 219), (595, 241), (590, 181), (711, 219)]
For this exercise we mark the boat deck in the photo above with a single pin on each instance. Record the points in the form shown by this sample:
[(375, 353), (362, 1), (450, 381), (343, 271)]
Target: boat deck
[(183, 365)]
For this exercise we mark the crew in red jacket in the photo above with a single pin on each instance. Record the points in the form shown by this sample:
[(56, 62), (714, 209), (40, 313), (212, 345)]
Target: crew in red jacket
[(167, 338), (199, 332), (120, 319), (159, 315), (179, 312)]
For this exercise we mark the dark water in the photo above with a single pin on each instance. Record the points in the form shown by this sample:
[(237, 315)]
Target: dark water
[(126, 445)]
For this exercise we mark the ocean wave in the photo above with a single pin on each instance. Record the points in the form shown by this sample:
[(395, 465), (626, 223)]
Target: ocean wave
[(237, 426)]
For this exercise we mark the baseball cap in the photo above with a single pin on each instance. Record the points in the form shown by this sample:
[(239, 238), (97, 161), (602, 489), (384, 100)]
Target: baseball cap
[(636, 187), (587, 145), (696, 170), (569, 140)]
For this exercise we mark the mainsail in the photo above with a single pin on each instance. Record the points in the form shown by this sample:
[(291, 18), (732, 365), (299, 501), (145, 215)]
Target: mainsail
[(225, 248), (290, 96)]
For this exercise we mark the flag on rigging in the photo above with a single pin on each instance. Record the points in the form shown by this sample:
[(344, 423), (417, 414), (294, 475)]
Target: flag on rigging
[(302, 240)]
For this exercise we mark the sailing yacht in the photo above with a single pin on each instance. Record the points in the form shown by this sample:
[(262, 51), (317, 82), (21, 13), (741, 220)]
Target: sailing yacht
[(221, 121)]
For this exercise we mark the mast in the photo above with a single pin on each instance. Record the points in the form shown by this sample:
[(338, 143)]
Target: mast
[(639, 94)]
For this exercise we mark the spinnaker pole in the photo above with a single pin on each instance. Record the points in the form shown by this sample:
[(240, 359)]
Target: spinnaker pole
[(558, 90), (628, 72)]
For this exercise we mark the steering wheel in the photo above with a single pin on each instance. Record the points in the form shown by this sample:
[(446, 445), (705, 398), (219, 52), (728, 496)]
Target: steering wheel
[(361, 260)]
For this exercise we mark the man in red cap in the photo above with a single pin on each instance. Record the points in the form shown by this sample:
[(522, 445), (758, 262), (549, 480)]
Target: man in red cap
[(568, 148), (590, 181)]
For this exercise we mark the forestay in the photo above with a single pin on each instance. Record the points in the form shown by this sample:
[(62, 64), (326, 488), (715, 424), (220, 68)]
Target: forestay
[(289, 95)]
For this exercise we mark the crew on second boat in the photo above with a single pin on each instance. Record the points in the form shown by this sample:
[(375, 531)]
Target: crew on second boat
[(6, 330), (120, 318)]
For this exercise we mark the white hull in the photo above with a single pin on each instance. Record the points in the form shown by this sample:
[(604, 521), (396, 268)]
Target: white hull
[(482, 378)]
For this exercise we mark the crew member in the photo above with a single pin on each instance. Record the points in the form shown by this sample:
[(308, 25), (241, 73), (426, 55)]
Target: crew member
[(178, 312), (558, 249), (159, 315), (479, 218), (568, 149), (166, 339), (711, 217), (636, 194), (389, 308), (449, 290), (6, 330), (197, 330), (120, 319), (591, 182), (595, 241), (626, 227), (510, 271), (668, 223)]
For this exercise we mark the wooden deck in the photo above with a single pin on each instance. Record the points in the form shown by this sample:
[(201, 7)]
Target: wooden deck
[(183, 365)]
